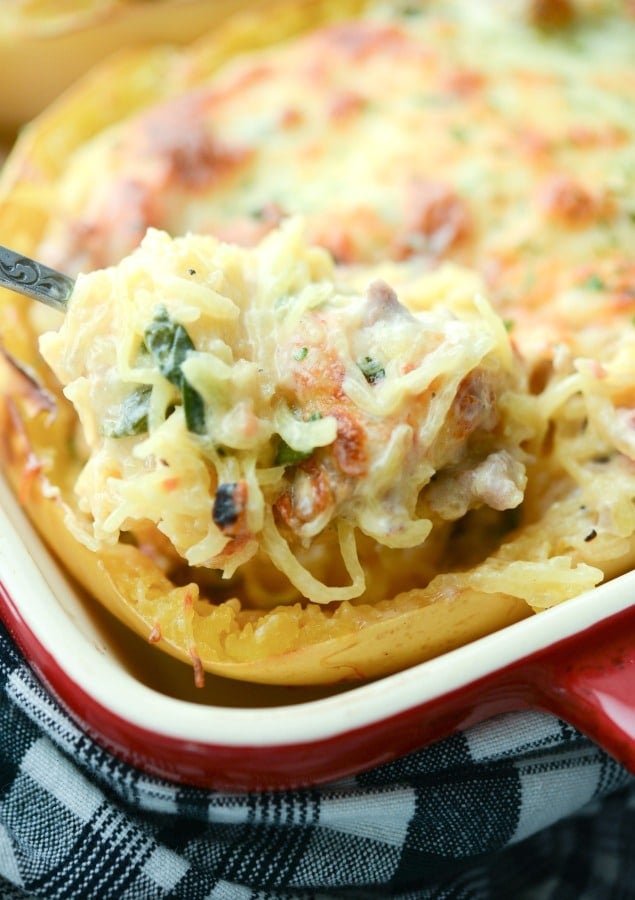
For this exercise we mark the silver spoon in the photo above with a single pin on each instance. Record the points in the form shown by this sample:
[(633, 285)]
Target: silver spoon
[(35, 280)]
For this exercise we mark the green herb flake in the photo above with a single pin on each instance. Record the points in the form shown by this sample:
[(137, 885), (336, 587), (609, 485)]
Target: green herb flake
[(133, 414), (371, 369), (287, 456), (410, 11), (594, 283), (169, 343), (301, 353), (459, 133)]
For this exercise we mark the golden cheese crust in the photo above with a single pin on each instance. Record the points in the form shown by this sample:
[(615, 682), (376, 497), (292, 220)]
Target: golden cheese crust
[(495, 137), (434, 133)]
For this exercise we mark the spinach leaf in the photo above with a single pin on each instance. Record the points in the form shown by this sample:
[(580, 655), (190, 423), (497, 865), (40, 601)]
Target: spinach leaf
[(133, 414), (169, 343), (194, 408)]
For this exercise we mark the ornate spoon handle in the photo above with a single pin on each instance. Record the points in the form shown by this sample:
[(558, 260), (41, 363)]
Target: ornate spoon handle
[(34, 280)]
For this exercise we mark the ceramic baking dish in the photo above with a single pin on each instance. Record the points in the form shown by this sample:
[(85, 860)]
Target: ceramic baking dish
[(576, 660)]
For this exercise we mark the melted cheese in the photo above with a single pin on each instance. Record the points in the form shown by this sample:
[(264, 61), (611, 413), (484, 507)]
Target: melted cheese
[(456, 132), (321, 406)]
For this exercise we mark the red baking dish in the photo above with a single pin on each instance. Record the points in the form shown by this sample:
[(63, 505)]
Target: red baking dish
[(576, 660)]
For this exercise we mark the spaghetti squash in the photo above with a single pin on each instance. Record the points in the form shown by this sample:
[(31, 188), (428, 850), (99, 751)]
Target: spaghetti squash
[(347, 377)]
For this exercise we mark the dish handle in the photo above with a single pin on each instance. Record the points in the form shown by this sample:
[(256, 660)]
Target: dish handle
[(589, 680)]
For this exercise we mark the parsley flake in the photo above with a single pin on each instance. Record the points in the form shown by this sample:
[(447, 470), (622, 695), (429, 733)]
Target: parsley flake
[(372, 370)]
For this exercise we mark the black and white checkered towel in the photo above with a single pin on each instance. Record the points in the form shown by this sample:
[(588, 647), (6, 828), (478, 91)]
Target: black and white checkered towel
[(521, 807)]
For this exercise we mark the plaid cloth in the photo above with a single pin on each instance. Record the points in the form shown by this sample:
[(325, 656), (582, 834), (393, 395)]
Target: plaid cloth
[(523, 806)]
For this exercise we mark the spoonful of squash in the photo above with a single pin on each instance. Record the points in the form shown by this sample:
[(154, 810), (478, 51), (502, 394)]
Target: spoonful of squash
[(288, 470)]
